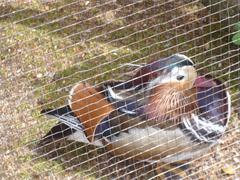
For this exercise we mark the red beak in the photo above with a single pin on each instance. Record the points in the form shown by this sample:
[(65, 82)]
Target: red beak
[(202, 81)]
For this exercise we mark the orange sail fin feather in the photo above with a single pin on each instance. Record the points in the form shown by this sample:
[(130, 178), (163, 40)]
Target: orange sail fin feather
[(90, 106)]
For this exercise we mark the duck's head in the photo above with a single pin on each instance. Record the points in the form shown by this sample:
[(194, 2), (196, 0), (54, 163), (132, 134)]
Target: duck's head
[(177, 71), (171, 86)]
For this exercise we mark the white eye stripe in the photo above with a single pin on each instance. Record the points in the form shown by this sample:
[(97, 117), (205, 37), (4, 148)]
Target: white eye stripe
[(185, 71), (184, 57), (176, 71), (188, 72)]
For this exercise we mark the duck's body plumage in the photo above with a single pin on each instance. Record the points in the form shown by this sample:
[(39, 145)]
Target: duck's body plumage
[(148, 118)]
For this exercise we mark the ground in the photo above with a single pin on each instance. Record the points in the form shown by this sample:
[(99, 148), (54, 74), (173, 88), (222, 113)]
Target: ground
[(47, 46)]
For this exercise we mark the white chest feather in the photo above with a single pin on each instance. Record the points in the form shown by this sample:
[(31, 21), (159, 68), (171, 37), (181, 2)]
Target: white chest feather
[(81, 137)]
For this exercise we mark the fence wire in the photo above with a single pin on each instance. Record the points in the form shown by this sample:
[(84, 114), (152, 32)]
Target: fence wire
[(48, 46)]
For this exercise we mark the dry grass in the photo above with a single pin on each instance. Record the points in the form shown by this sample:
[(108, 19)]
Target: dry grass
[(40, 61)]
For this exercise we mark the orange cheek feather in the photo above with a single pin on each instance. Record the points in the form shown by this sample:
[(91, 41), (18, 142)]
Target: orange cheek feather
[(168, 102)]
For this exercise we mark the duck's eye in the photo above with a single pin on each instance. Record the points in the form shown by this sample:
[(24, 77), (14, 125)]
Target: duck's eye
[(180, 77)]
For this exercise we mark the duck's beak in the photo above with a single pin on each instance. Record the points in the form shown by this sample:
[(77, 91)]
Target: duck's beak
[(202, 81)]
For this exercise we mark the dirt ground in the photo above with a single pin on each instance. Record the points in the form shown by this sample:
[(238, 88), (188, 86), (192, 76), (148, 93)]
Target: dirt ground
[(47, 46)]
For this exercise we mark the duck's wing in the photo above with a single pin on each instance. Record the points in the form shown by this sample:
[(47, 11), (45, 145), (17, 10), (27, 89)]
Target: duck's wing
[(214, 112), (127, 110), (90, 106), (68, 124), (79, 119), (101, 112)]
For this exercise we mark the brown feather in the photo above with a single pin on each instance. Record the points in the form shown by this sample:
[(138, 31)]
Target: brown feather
[(167, 104), (90, 106)]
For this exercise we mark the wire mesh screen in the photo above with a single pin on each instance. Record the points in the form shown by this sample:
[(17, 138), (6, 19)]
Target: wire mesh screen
[(109, 73)]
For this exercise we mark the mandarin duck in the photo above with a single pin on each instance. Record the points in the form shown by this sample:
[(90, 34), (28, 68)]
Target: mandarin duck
[(164, 113)]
